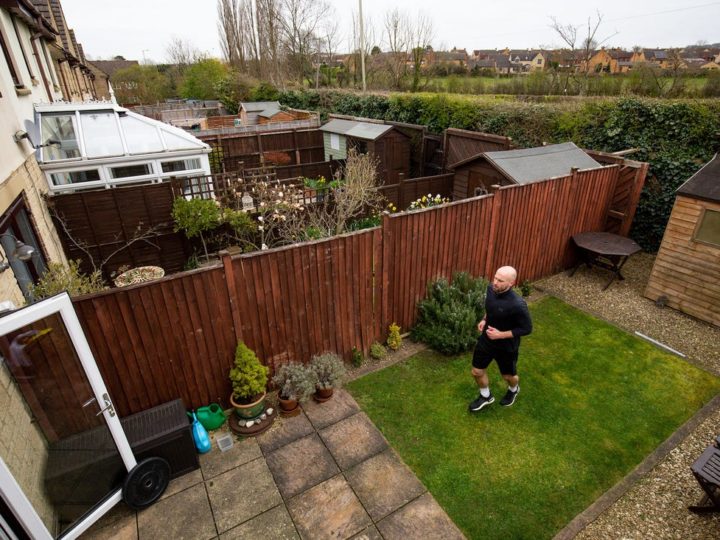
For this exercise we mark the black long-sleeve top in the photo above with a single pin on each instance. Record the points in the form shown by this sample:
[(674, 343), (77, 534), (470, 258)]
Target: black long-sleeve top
[(506, 311)]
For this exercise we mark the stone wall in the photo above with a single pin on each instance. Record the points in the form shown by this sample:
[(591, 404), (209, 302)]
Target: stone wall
[(23, 447)]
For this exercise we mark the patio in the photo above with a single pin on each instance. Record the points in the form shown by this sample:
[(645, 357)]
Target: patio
[(326, 473)]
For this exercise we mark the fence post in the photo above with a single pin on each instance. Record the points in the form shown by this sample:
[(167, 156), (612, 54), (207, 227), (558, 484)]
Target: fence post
[(232, 292), (386, 238), (494, 219), (401, 190)]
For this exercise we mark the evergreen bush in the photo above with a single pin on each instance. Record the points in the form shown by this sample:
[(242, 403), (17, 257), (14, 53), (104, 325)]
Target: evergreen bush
[(394, 339), (295, 381), (248, 376), (329, 370), (378, 351), (58, 278), (448, 316)]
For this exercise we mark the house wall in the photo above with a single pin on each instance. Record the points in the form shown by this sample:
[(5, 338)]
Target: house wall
[(333, 153), (686, 271), (23, 447), (29, 181)]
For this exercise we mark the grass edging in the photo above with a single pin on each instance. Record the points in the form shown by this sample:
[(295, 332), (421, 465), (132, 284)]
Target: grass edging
[(607, 499)]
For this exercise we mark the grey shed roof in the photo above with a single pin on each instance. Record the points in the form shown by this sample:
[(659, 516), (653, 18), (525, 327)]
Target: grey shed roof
[(257, 106), (269, 113), (358, 130), (533, 164), (704, 184)]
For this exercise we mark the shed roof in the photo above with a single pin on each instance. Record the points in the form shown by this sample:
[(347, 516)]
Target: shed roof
[(704, 184), (257, 106), (533, 164), (358, 130)]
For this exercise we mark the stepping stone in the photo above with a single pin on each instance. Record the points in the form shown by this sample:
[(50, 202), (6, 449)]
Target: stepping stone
[(384, 483), (217, 462), (274, 523), (241, 494), (119, 523), (183, 482), (422, 518), (371, 533), (328, 511), (301, 465), (339, 407), (186, 515), (285, 430), (353, 440)]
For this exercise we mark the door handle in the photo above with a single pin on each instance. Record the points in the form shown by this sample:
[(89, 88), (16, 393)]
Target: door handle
[(108, 406)]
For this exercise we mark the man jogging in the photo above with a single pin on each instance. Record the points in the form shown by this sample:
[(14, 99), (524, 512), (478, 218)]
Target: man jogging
[(506, 319)]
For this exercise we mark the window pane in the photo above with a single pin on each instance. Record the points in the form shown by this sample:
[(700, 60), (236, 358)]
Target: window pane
[(131, 170), (60, 128), (181, 165), (709, 230), (140, 136), (75, 177), (101, 134)]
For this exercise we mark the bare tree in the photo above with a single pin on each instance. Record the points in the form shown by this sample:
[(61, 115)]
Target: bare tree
[(586, 48), (299, 20), (397, 40), (421, 34), (182, 52)]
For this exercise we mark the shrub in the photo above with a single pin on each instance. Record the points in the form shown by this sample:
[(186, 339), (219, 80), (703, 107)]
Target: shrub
[(248, 376), (295, 381), (394, 339), (357, 357), (448, 316), (378, 351), (195, 216), (329, 370), (57, 278), (526, 288)]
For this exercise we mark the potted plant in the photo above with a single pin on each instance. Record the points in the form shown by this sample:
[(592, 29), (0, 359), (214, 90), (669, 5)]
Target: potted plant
[(295, 383), (249, 379), (330, 371)]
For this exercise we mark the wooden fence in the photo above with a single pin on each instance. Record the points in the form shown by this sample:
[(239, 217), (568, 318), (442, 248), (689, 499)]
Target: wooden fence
[(460, 144), (176, 336)]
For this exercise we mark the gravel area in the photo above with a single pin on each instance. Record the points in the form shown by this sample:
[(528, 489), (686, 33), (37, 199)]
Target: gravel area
[(655, 506)]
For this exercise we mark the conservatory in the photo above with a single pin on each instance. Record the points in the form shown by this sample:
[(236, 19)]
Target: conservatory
[(102, 145)]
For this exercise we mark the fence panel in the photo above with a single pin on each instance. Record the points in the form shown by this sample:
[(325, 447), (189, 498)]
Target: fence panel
[(162, 340), (309, 298), (461, 144)]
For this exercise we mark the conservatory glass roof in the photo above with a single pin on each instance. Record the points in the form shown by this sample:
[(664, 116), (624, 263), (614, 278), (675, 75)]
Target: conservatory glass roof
[(100, 144)]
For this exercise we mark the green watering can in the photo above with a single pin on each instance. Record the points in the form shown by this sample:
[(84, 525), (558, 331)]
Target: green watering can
[(211, 417)]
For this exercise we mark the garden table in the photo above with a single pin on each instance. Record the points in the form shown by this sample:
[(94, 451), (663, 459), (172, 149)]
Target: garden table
[(606, 250)]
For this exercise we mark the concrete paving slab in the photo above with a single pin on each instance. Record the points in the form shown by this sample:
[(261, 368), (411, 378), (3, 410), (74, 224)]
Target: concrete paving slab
[(371, 533), (353, 440), (241, 494), (185, 481), (216, 462), (186, 515), (329, 510), (422, 518), (384, 483), (120, 523), (285, 431), (301, 465), (339, 407), (274, 524)]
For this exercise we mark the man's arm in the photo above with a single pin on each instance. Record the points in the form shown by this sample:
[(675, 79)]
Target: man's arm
[(524, 322)]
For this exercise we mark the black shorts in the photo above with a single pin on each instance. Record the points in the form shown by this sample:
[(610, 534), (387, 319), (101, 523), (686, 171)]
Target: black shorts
[(486, 353)]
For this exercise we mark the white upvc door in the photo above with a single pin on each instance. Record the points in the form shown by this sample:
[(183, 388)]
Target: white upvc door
[(51, 380)]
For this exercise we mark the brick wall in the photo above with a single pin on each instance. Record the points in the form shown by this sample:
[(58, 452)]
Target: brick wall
[(23, 447)]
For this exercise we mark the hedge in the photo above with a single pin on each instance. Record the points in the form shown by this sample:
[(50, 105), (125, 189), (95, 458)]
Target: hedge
[(675, 136)]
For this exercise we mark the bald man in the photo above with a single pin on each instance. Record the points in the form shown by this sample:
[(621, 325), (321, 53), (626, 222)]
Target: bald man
[(506, 319)]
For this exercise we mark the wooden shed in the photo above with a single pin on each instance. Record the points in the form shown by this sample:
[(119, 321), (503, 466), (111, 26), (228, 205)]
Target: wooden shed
[(475, 175), (389, 146), (251, 111), (687, 267)]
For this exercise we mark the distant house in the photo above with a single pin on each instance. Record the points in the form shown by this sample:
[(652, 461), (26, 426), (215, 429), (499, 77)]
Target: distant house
[(475, 175), (610, 61), (530, 60), (687, 265), (389, 146)]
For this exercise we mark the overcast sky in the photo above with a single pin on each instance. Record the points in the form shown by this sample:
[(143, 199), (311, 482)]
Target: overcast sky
[(141, 29)]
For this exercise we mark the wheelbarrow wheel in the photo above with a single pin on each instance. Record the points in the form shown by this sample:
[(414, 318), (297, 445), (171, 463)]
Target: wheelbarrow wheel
[(146, 483)]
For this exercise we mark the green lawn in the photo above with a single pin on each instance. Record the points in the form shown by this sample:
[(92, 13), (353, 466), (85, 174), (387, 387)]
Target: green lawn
[(594, 402)]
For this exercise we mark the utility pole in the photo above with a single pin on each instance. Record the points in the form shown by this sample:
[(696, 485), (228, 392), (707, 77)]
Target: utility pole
[(144, 59), (362, 47)]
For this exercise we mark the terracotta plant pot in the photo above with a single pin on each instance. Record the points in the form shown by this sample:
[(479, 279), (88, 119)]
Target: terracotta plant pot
[(287, 405), (323, 394), (248, 411)]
